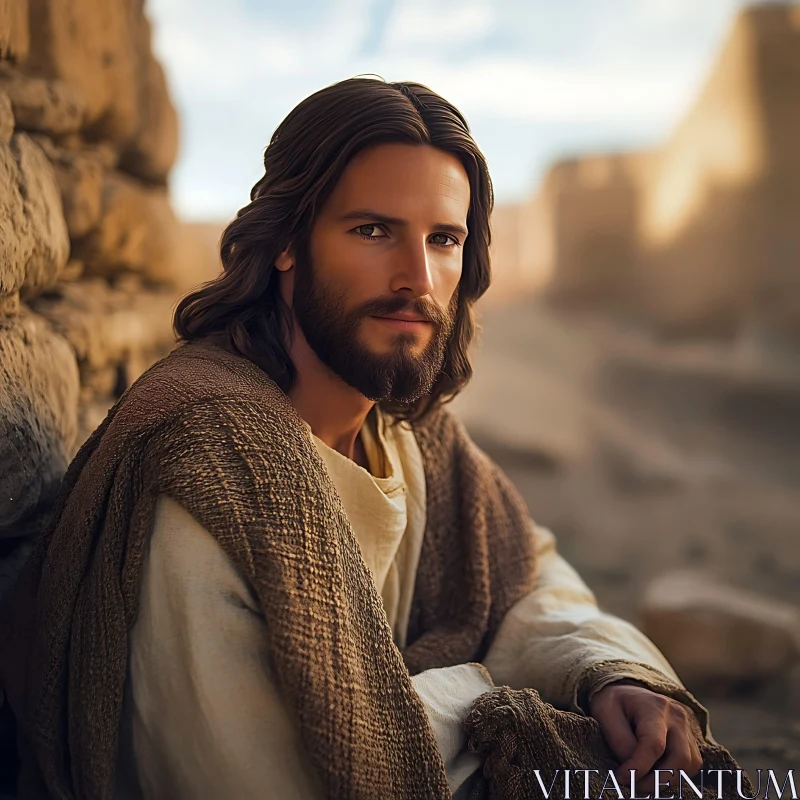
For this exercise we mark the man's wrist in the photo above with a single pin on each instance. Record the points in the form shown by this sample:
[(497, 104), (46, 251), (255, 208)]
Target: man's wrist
[(592, 693), (596, 680), (698, 714)]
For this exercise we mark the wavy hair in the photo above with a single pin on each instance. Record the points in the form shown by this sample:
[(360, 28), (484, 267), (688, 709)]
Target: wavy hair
[(306, 156)]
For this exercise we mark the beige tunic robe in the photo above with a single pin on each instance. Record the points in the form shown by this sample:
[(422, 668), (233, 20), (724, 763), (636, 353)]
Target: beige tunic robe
[(202, 717)]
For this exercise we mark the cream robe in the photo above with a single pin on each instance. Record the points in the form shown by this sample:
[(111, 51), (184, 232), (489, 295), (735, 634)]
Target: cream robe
[(201, 715)]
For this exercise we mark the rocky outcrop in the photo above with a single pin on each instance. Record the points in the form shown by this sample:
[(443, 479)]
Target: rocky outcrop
[(6, 119), (38, 419), (116, 332), (713, 632), (14, 30), (34, 245), (53, 107), (92, 256), (103, 52)]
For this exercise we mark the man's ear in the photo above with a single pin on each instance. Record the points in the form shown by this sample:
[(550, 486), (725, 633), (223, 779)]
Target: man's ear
[(285, 261)]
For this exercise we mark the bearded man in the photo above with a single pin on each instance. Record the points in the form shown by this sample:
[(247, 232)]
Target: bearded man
[(280, 567)]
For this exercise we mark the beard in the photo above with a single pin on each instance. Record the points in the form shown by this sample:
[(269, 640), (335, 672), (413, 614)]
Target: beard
[(402, 375)]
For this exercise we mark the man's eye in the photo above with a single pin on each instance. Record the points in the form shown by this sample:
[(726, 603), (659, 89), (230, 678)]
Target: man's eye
[(368, 232), (452, 243), (370, 235)]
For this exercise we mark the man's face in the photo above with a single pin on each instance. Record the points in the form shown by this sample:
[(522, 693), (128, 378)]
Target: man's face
[(375, 291)]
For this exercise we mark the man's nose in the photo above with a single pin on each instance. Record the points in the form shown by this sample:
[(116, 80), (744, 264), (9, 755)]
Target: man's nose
[(413, 270)]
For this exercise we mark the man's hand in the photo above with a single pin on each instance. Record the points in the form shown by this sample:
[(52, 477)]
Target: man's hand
[(647, 730)]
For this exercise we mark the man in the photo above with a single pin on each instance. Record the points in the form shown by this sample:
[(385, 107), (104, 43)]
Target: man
[(280, 517)]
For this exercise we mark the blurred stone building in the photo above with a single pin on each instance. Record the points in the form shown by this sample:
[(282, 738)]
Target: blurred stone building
[(700, 237), (642, 388)]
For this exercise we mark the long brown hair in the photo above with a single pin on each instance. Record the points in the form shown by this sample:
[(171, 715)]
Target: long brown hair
[(306, 156)]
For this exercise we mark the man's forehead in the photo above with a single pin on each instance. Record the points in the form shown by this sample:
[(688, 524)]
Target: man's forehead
[(395, 176)]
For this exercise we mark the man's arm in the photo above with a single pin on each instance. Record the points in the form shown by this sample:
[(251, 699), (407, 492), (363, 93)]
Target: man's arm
[(202, 717), (557, 641)]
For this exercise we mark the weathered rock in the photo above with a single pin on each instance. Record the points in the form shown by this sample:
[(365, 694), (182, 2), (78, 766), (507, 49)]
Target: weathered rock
[(9, 304), (104, 152), (110, 328), (34, 242), (48, 106), (80, 178), (715, 633), (38, 420), (137, 232), (116, 333), (152, 151), (6, 119), (14, 30), (11, 564), (89, 45), (79, 169), (99, 383), (72, 271)]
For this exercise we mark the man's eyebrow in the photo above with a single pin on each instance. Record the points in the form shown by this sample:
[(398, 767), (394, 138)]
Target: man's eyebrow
[(371, 214)]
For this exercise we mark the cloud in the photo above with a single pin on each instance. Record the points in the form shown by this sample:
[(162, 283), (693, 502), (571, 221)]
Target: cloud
[(219, 47), (437, 25), (512, 87)]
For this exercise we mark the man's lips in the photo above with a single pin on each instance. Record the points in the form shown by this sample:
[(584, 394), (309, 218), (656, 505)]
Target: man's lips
[(403, 323)]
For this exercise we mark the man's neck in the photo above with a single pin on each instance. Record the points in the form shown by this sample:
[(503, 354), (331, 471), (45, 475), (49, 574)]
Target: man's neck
[(335, 411)]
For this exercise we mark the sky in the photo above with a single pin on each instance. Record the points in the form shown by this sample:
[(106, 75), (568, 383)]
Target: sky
[(538, 80)]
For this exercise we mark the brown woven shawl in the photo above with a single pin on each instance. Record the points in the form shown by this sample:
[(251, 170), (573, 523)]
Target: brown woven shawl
[(213, 431)]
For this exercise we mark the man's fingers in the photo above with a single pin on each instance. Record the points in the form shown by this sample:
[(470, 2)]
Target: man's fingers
[(681, 752), (648, 731), (651, 734), (617, 731)]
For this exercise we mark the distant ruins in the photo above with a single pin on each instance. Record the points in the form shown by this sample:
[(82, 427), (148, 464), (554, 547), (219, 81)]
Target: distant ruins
[(698, 238)]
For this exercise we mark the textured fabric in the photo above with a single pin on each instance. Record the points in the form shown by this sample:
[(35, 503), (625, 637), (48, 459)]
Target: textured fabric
[(477, 557), (202, 716), (206, 701), (213, 431), (558, 641), (375, 501), (448, 694), (197, 656), (517, 733)]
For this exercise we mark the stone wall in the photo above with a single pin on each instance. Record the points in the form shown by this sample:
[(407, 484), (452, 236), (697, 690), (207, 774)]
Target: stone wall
[(600, 197), (699, 237), (521, 249), (92, 257)]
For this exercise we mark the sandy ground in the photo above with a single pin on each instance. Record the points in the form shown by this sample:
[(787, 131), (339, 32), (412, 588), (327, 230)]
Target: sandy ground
[(643, 457)]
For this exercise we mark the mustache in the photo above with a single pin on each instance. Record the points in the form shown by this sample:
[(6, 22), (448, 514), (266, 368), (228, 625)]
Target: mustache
[(384, 306)]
